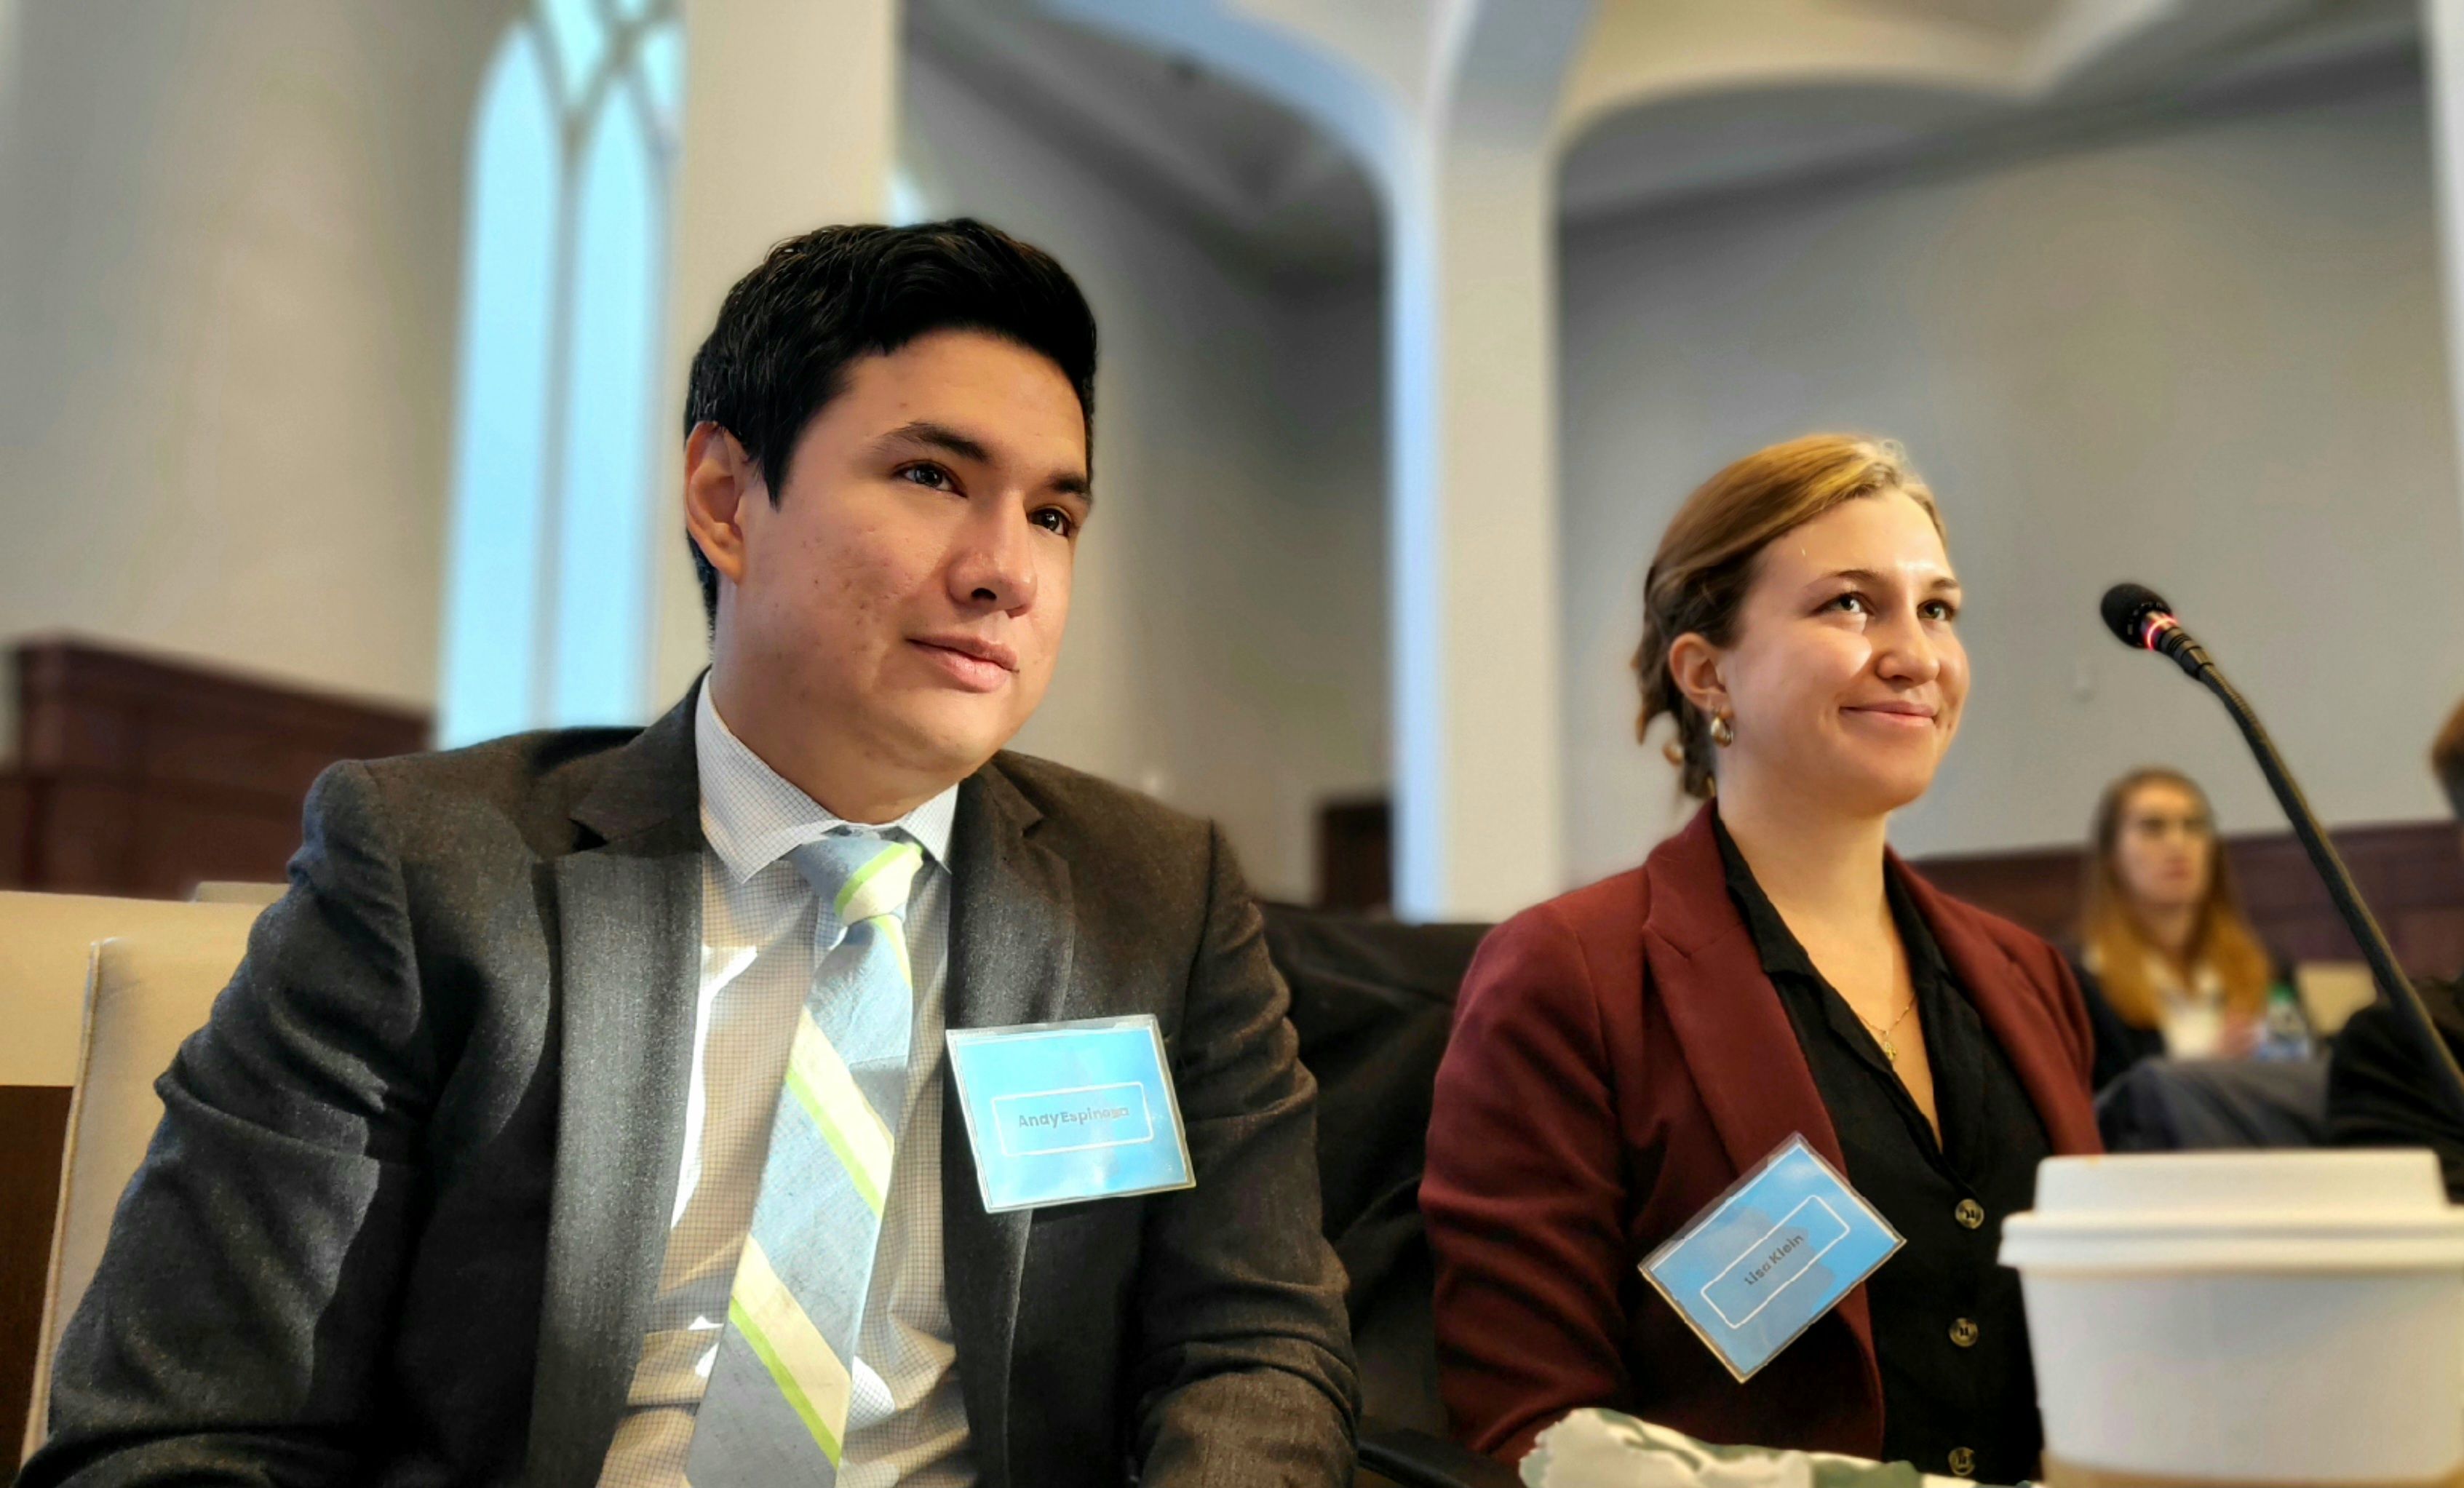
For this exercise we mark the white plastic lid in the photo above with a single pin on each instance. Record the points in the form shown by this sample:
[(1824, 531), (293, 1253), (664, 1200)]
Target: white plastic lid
[(2299, 1211)]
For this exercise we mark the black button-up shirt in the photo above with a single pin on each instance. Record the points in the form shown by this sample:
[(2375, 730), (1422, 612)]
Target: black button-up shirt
[(1959, 1394)]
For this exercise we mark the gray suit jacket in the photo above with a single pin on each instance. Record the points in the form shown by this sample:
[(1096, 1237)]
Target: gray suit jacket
[(403, 1216)]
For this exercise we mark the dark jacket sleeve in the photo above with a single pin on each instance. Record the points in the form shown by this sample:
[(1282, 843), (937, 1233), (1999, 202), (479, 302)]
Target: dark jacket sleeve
[(1525, 1195), (2118, 1045), (1244, 1372), (2380, 1092), (236, 1327)]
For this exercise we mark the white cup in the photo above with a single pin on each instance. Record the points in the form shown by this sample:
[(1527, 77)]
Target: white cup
[(2246, 1316)]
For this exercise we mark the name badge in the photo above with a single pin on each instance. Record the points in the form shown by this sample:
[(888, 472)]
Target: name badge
[(1059, 1112), (1777, 1251)]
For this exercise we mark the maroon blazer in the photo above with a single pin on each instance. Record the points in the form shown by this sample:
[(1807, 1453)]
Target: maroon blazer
[(1619, 1060)]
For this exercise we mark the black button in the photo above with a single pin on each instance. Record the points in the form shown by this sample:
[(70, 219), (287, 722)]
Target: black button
[(1963, 1461), (1969, 1213), (1963, 1333)]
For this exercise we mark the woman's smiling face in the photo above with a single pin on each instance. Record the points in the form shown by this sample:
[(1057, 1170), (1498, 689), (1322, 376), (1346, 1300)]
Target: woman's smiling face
[(1847, 677)]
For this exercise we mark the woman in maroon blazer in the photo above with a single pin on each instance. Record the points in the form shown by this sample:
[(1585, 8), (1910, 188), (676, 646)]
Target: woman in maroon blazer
[(1625, 1053)]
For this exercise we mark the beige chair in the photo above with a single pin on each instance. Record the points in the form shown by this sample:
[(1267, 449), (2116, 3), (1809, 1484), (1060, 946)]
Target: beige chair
[(232, 891), (2334, 991), (150, 984), (46, 944)]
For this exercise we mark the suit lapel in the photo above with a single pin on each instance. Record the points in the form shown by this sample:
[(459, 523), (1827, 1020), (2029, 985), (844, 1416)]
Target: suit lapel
[(1011, 942), (1736, 1038), (628, 915)]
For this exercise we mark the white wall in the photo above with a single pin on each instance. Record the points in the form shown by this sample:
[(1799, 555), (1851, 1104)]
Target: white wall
[(1226, 643), (2208, 360), (229, 268)]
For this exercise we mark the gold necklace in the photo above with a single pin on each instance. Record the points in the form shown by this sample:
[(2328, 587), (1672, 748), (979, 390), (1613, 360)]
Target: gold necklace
[(1882, 1036)]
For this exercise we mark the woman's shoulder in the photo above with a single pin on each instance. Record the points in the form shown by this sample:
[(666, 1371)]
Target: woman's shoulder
[(1568, 938), (1611, 906)]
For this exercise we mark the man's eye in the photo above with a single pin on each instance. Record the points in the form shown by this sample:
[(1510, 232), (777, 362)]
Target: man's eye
[(930, 476), (1053, 519), (1942, 610)]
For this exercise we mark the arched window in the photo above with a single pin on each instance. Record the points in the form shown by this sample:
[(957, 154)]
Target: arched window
[(547, 615)]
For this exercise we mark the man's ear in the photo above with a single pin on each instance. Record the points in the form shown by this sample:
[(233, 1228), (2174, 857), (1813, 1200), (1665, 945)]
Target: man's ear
[(1694, 666), (719, 479)]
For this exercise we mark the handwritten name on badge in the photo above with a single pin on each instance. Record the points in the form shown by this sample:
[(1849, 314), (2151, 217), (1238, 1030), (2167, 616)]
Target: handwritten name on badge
[(1757, 1267), (1061, 1112), (1782, 1256)]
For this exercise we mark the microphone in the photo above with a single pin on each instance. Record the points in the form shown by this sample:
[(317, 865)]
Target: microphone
[(2139, 616)]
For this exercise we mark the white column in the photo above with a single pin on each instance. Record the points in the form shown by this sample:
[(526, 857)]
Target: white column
[(790, 122), (2443, 53), (1479, 812), (1473, 537)]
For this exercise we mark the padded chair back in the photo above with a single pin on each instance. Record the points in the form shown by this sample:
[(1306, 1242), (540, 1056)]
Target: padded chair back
[(147, 990), (46, 948), (1372, 1001), (2332, 992)]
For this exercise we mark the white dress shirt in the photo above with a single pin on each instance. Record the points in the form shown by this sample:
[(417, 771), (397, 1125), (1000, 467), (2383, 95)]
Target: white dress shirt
[(908, 1423)]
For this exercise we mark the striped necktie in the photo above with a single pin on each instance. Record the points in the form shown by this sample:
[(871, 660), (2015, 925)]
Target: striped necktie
[(776, 1411)]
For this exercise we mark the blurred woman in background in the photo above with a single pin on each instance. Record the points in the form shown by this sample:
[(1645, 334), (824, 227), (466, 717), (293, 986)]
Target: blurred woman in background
[(2170, 965)]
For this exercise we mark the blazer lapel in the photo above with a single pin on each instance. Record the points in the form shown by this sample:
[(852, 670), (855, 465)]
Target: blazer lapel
[(628, 927), (1735, 1035), (1011, 941), (1727, 1014), (1997, 984)]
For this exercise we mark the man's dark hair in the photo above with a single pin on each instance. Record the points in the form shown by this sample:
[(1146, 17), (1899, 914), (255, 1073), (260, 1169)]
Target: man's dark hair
[(788, 330)]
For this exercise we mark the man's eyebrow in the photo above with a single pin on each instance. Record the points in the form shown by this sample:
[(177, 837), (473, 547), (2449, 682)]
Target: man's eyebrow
[(939, 436), (924, 433)]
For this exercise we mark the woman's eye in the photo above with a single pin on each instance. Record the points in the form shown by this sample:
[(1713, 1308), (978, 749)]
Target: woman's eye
[(930, 476), (1053, 519), (1941, 609), (1850, 604)]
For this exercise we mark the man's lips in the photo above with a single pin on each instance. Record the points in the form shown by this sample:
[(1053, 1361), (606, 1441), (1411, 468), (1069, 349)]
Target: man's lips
[(975, 663)]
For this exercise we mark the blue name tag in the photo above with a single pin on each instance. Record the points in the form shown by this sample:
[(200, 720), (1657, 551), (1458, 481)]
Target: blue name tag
[(1059, 1112), (1770, 1255)]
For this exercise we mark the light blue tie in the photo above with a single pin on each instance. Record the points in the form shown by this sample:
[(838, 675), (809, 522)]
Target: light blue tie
[(776, 1411)]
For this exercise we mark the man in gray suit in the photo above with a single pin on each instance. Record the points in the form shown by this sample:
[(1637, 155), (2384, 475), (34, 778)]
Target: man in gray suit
[(579, 1115)]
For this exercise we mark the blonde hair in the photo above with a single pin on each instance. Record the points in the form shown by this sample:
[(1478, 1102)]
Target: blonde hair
[(1698, 580), (2118, 946)]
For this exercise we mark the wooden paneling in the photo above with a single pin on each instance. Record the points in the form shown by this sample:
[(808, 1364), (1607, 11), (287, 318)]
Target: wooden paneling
[(1355, 855), (33, 1122), (2411, 873), (13, 834), (141, 777)]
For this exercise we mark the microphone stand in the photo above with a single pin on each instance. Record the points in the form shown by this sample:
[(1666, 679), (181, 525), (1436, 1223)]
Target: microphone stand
[(2393, 984)]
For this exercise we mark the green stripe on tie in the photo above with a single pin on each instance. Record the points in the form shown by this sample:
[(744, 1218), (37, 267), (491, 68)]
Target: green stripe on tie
[(822, 1437), (829, 1130), (870, 871)]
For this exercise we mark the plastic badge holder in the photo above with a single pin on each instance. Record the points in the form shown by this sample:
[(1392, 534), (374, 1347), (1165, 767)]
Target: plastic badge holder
[(1768, 1257), (1061, 1112)]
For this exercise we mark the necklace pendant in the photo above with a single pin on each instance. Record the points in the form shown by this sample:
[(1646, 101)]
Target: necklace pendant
[(1890, 1052)]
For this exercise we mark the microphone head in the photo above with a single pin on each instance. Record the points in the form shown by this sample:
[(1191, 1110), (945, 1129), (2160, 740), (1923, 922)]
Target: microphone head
[(2126, 608)]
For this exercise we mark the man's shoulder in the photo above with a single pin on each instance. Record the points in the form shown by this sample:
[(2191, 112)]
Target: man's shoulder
[(531, 781), (1076, 804)]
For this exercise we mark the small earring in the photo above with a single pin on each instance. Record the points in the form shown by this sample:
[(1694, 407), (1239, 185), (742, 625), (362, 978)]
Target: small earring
[(1722, 732)]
